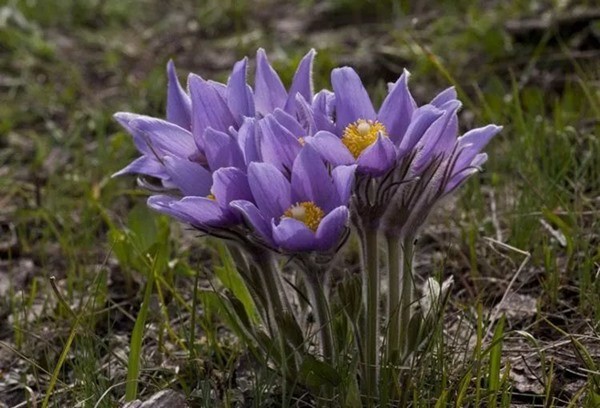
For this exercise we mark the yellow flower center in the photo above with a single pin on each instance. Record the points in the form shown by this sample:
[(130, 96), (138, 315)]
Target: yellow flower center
[(361, 134), (307, 212), (301, 141), (211, 196)]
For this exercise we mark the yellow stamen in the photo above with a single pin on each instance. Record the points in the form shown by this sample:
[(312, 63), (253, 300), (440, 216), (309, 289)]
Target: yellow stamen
[(301, 141), (361, 134), (211, 196), (307, 212)]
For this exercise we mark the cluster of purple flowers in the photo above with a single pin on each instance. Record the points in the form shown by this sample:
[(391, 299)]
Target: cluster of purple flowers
[(282, 167)]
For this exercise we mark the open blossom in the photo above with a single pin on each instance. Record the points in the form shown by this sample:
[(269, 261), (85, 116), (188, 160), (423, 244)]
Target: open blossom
[(307, 213), (210, 135), (361, 135)]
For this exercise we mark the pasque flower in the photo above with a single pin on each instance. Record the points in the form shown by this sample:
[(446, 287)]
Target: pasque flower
[(209, 136), (308, 213), (361, 135)]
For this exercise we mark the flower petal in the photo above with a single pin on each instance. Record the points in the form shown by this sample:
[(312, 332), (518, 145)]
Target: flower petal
[(302, 82), (331, 227), (397, 109), (230, 184), (422, 119), (191, 178), (269, 91), (255, 218), (331, 148), (208, 109), (162, 204), (179, 105), (247, 139), (222, 150), (352, 100), (436, 141), (239, 95), (377, 158), (145, 165), (270, 189), (278, 145), (343, 181), (447, 95), (473, 142), (311, 180), (293, 235), (163, 137), (202, 211), (289, 122)]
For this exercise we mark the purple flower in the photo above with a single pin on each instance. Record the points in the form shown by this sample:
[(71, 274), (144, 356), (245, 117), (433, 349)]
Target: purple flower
[(209, 207), (443, 163), (307, 214), (361, 135), (270, 94)]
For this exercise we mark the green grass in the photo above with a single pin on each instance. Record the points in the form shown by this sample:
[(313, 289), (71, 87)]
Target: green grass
[(133, 317)]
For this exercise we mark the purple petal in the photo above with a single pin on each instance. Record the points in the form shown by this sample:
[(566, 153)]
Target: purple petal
[(239, 96), (125, 119), (422, 119), (461, 175), (352, 100), (191, 178), (302, 82), (278, 145), (145, 165), (443, 97), (331, 148), (248, 141), (324, 102), (473, 142), (343, 181), (269, 91), (289, 122), (306, 116), (162, 204), (163, 137), (222, 150), (377, 158), (293, 235), (179, 105), (230, 184), (208, 109), (311, 180), (331, 227), (255, 218), (397, 109), (202, 211), (435, 140), (270, 189)]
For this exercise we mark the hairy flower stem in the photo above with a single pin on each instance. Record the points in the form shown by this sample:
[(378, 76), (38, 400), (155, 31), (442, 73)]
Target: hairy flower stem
[(322, 315), (393, 313), (270, 278), (406, 298), (371, 300)]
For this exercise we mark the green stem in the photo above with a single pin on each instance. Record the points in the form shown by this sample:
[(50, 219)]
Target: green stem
[(393, 314), (322, 315), (371, 299), (406, 298), (270, 277)]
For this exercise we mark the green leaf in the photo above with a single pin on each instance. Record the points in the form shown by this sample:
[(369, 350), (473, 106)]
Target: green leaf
[(315, 373), (232, 280), (495, 361), (135, 346), (291, 330)]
